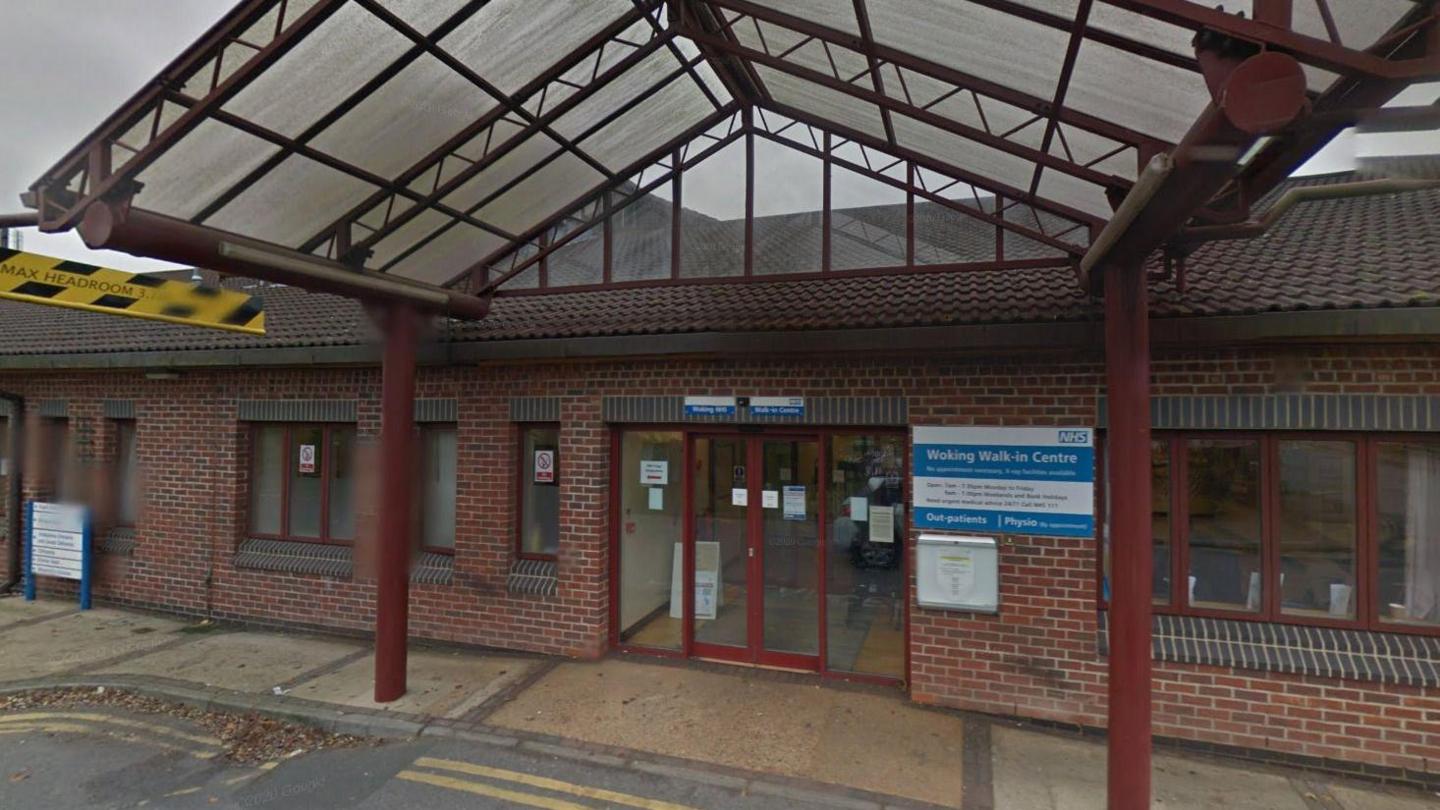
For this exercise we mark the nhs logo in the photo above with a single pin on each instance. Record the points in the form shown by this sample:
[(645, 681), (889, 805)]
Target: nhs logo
[(1074, 437)]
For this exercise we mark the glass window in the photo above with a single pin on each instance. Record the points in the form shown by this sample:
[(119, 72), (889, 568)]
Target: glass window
[(127, 483), (63, 478), (1159, 522), (652, 525), (1160, 518), (540, 491), (865, 580), (437, 486), (307, 471), (5, 444), (340, 459), (1224, 524), (302, 482), (1317, 528), (267, 461), (1408, 532)]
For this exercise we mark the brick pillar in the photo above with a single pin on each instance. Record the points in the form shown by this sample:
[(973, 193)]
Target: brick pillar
[(584, 563)]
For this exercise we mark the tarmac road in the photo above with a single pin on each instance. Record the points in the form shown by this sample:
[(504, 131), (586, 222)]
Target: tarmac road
[(102, 758)]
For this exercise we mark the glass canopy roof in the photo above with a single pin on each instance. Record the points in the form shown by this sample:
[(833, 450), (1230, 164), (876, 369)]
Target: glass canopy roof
[(463, 141)]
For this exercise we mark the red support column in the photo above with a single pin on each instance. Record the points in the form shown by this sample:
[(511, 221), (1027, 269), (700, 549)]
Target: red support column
[(1127, 367), (401, 325)]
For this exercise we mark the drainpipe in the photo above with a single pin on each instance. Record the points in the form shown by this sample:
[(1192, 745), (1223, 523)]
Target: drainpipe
[(12, 491)]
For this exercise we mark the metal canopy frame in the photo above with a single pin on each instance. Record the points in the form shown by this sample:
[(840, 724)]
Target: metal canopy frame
[(427, 155), (462, 213)]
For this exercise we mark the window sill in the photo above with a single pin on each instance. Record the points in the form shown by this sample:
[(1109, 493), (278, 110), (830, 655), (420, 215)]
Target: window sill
[(119, 541), (1328, 652), (532, 577), (336, 562)]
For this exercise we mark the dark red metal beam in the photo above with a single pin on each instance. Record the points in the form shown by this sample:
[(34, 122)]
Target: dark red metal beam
[(1062, 86), (400, 324), (888, 103), (1038, 106), (1320, 53), (1127, 377), (522, 96), (210, 45), (116, 226)]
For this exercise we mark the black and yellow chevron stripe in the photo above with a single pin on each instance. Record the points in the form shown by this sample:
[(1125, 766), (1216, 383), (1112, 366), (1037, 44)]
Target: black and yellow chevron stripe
[(47, 280)]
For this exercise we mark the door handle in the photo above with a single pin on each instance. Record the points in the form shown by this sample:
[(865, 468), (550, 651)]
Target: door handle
[(751, 550)]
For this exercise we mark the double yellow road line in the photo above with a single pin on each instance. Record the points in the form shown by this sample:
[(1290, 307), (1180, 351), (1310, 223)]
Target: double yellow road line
[(519, 796), (71, 722)]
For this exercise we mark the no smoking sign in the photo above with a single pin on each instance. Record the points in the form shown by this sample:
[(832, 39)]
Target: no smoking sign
[(544, 466)]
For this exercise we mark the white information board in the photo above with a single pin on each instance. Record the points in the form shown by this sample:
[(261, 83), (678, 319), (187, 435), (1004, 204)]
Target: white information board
[(58, 546), (957, 573), (1038, 481)]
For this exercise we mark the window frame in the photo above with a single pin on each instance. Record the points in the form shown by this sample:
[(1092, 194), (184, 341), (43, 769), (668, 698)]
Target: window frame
[(423, 428), (1367, 537), (290, 428), (522, 431), (117, 489)]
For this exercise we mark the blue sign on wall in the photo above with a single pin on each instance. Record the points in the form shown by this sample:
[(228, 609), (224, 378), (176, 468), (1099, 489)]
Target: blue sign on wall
[(1038, 481), (709, 406)]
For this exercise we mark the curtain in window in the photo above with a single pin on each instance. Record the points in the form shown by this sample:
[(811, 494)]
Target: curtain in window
[(1422, 535)]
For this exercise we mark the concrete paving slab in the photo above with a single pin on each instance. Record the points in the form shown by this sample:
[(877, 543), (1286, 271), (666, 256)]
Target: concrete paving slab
[(14, 609), (1049, 772), (81, 640), (244, 661), (864, 740), (1354, 798), (440, 684)]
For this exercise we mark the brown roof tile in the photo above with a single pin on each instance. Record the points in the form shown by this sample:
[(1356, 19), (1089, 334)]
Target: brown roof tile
[(1364, 252)]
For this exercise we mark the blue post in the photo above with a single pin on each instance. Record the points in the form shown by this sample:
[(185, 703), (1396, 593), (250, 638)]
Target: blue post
[(85, 558), (29, 535)]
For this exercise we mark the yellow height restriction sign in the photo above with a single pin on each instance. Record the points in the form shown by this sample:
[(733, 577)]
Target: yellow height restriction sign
[(61, 283)]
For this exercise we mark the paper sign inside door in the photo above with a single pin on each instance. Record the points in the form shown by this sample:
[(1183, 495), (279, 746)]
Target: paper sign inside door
[(882, 524), (795, 503), (770, 498), (739, 496)]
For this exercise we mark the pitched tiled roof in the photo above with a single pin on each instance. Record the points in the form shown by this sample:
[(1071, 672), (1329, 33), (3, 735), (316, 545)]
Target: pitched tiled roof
[(1365, 252)]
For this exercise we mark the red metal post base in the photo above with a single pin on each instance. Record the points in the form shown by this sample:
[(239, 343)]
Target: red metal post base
[(401, 325), (1127, 366)]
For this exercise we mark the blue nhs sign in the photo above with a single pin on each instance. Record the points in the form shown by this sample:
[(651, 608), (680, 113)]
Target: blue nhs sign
[(1030, 480)]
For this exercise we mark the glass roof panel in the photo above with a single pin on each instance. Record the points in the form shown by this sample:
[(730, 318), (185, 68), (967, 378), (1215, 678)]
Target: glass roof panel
[(199, 168), (507, 167), (1145, 95), (449, 254), (420, 108), (823, 102), (1074, 192), (511, 42), (292, 202), (629, 85), (558, 184), (963, 153), (647, 126), (1360, 22), (974, 39), (424, 15), (422, 225), (336, 59), (838, 14)]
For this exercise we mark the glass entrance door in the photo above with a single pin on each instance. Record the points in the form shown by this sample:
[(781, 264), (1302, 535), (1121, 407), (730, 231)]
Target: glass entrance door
[(756, 536)]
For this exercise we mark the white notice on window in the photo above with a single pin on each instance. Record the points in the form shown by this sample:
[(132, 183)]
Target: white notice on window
[(654, 473), (956, 573), (739, 496), (859, 509), (795, 503), (770, 498), (307, 459), (657, 498), (882, 524)]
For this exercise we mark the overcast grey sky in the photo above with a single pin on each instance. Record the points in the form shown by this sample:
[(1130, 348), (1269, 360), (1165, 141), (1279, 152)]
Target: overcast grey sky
[(66, 64)]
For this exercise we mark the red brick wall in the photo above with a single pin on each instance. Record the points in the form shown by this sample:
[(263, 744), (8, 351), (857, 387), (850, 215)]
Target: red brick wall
[(1038, 658)]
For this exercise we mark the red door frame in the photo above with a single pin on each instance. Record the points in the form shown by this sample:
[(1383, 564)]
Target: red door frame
[(689, 433)]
